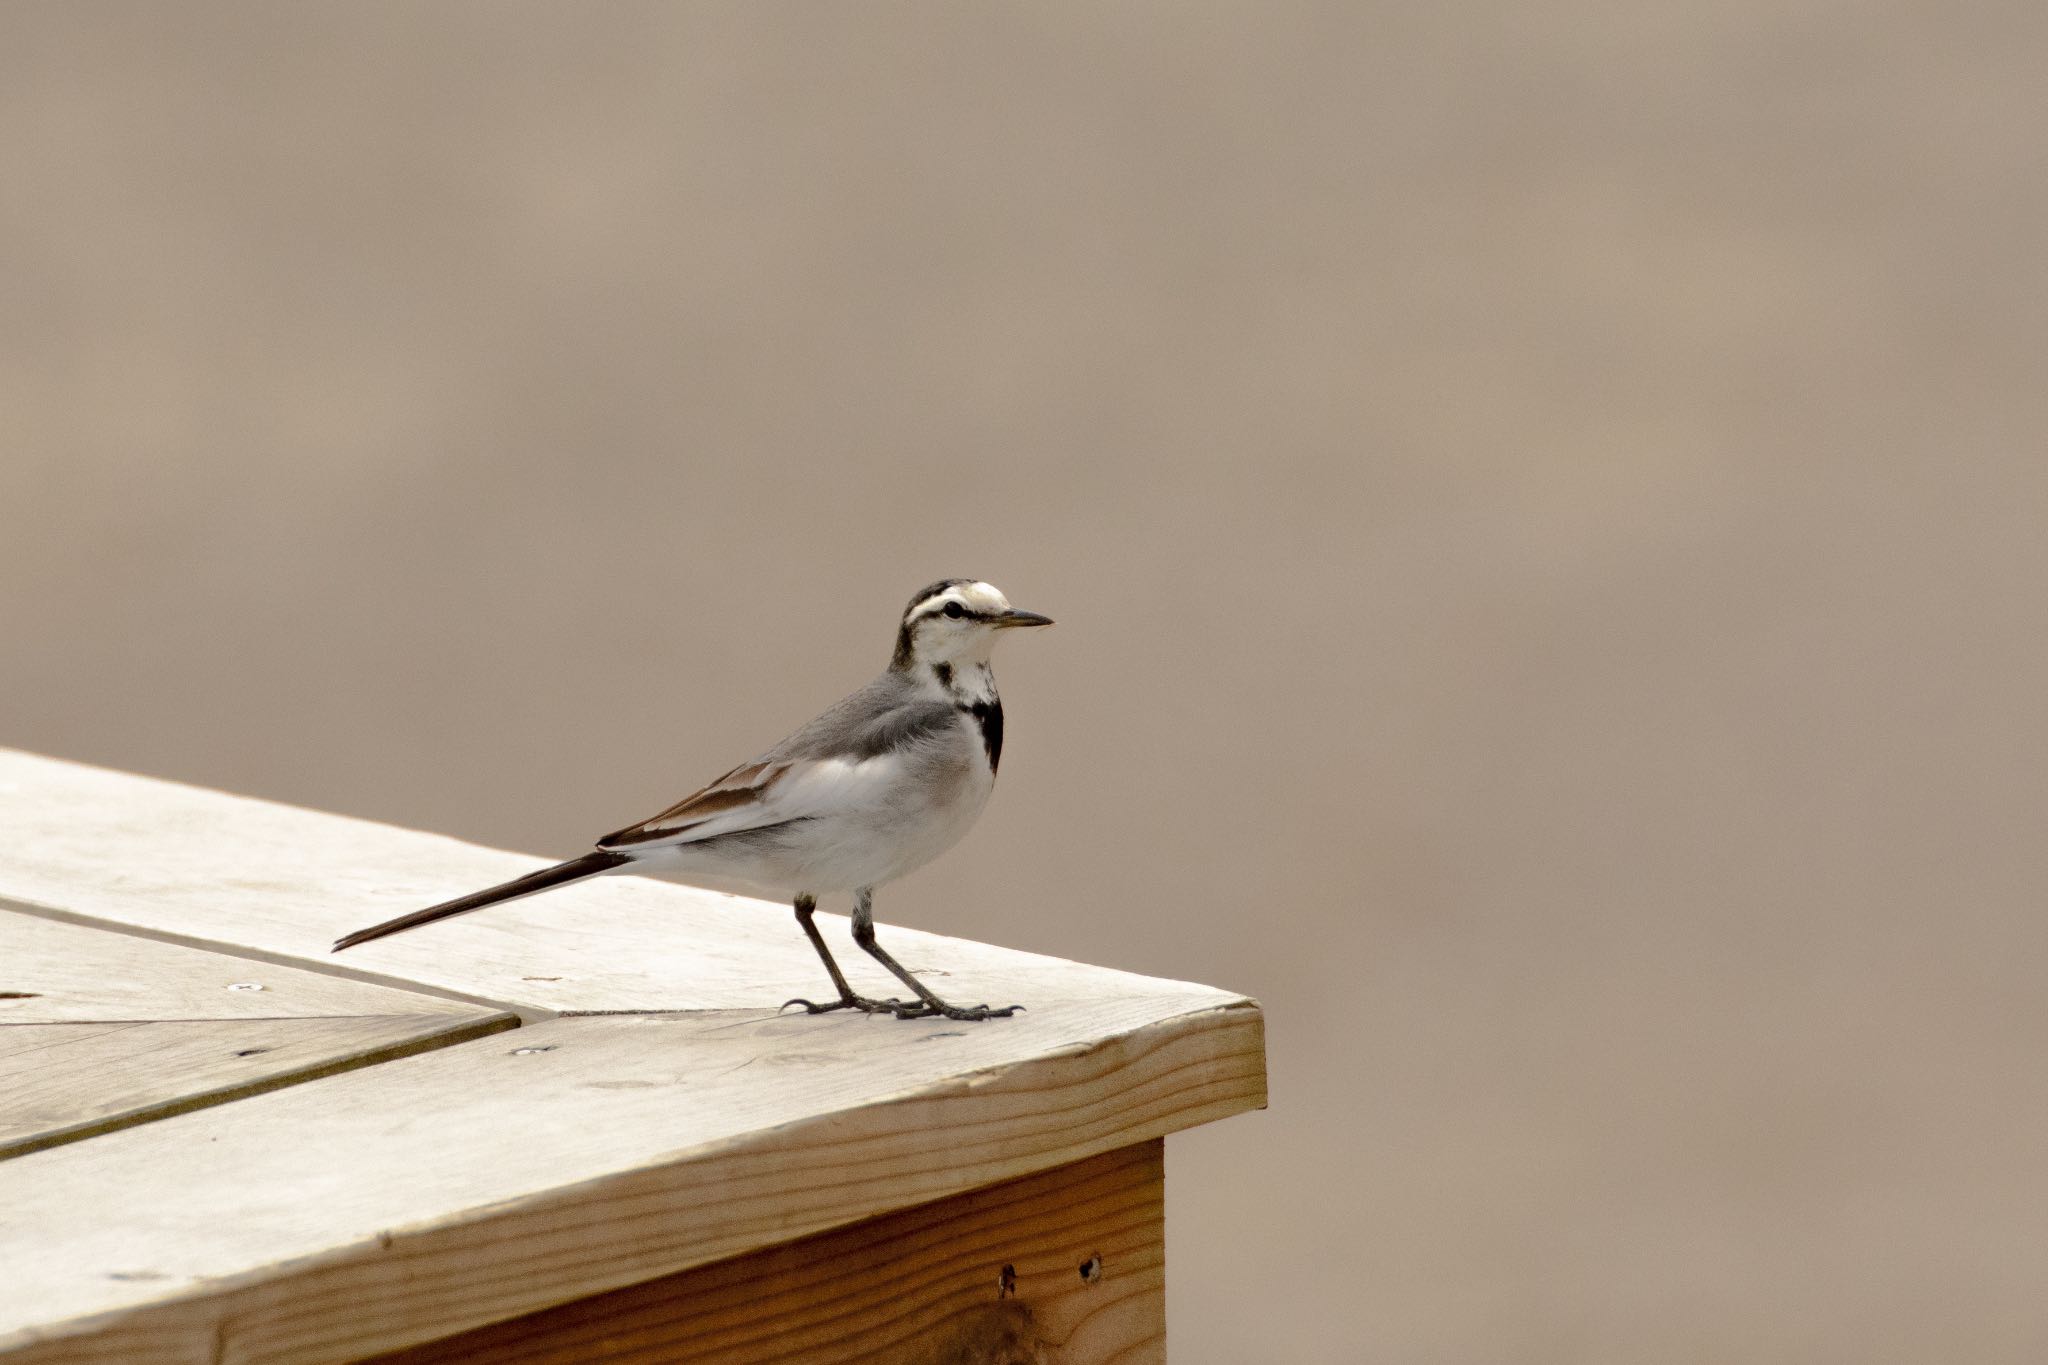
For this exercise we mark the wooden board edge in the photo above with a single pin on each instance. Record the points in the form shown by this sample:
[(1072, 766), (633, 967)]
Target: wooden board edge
[(1065, 1264), (249, 1315)]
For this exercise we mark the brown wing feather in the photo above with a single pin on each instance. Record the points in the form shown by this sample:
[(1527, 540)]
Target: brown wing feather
[(743, 786)]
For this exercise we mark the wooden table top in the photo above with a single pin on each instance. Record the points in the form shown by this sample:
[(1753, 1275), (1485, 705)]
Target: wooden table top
[(367, 1153)]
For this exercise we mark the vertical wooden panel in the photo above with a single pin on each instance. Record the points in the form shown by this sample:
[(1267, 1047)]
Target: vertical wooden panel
[(1066, 1267)]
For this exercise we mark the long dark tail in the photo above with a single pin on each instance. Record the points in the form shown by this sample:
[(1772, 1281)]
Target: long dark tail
[(561, 874)]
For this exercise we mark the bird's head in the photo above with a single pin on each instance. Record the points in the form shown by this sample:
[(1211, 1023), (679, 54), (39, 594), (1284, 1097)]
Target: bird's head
[(957, 621)]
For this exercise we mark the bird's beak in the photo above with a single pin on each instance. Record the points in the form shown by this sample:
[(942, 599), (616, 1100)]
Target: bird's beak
[(1013, 617)]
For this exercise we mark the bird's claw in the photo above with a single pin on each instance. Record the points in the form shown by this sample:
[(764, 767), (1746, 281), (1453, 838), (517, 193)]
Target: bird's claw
[(903, 1009), (941, 1010), (849, 1002)]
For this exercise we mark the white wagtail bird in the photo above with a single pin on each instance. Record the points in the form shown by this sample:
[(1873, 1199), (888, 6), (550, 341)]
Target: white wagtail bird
[(876, 787)]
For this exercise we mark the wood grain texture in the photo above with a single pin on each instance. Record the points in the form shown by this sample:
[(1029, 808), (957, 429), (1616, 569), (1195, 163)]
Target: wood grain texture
[(100, 1029), (64, 1082), (212, 868), (993, 1276), (53, 972), (426, 1196)]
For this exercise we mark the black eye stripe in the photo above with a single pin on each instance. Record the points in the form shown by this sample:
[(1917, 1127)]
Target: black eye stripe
[(957, 611)]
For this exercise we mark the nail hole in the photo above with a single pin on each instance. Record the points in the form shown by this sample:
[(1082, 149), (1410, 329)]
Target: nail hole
[(1091, 1270), (244, 986), (529, 1051), (1006, 1283), (251, 1051), (19, 995)]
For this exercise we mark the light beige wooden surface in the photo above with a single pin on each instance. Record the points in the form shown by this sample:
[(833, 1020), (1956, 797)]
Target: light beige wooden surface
[(74, 973), (423, 1196), (210, 867), (398, 1203), (102, 1029)]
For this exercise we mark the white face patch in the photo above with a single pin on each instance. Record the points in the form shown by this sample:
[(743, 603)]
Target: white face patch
[(965, 636)]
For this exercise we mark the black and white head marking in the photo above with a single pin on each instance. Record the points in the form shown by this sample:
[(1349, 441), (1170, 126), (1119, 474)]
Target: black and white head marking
[(954, 622), (947, 635)]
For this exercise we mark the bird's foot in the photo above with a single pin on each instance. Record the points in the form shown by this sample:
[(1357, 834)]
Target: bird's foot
[(851, 1002), (939, 1009)]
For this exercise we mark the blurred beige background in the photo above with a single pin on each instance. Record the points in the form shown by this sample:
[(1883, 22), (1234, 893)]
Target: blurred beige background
[(1544, 503)]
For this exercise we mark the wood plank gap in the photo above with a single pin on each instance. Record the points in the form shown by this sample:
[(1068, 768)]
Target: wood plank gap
[(459, 1031), (528, 1012), (208, 1019)]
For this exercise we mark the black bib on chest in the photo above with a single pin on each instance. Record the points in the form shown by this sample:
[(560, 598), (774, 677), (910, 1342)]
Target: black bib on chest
[(989, 716)]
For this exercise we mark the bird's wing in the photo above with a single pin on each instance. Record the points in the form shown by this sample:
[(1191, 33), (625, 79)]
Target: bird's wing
[(743, 792), (843, 759)]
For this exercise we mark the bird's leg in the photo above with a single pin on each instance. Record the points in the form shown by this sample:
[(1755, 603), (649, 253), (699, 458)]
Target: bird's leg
[(864, 935), (806, 907)]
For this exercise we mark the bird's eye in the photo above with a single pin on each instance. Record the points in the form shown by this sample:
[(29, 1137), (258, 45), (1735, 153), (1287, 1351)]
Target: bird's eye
[(955, 610)]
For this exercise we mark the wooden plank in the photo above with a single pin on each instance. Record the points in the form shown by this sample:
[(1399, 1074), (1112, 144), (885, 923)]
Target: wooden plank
[(401, 1203), (63, 1082), (99, 1029), (1065, 1266), (53, 971), (214, 868)]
